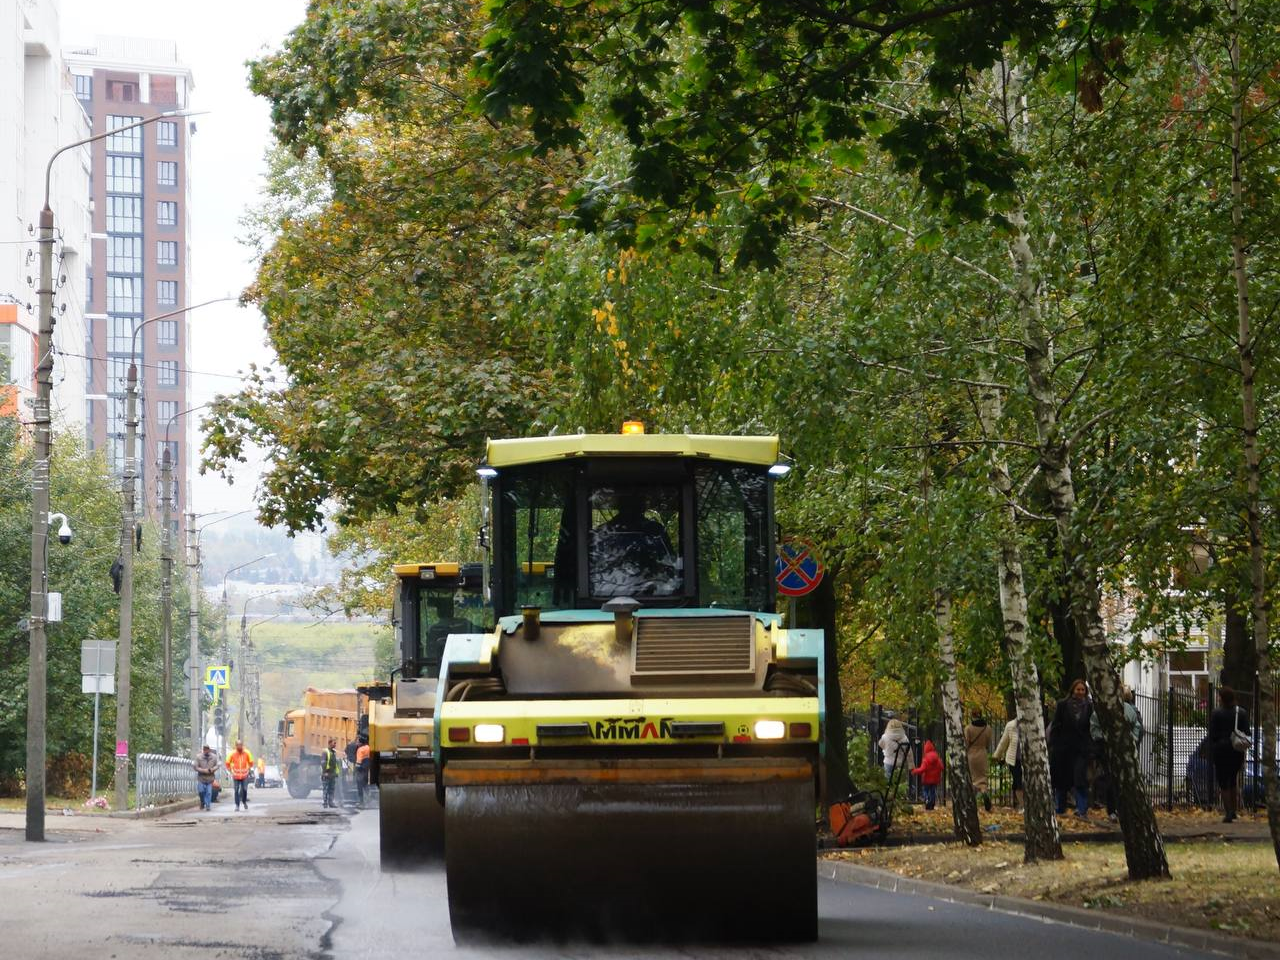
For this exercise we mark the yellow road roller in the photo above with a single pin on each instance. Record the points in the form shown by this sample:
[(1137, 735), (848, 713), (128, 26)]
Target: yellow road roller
[(633, 752), (431, 601)]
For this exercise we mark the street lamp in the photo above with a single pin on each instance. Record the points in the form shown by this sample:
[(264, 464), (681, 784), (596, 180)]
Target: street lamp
[(243, 671), (193, 618), (226, 610), (166, 581), (127, 544), (37, 665)]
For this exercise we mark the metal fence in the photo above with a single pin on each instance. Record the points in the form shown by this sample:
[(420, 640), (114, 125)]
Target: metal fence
[(162, 779), (1174, 755)]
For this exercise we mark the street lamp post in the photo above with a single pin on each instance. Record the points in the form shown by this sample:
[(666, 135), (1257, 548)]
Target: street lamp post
[(128, 521), (193, 619), (226, 609), (37, 666), (243, 671), (166, 583)]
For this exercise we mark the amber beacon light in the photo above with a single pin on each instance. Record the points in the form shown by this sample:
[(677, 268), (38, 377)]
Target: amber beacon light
[(633, 426)]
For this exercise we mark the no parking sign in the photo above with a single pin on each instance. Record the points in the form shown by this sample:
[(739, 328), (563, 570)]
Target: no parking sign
[(797, 567)]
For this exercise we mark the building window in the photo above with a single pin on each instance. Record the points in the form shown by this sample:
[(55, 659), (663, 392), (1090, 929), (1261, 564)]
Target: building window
[(84, 87), (120, 334), (167, 292), (117, 380), (167, 333), (167, 410), (124, 254), (124, 215), (167, 215), (124, 174), (124, 295), (167, 375), (167, 251), (126, 141), (122, 91), (166, 134), (167, 173), (88, 293)]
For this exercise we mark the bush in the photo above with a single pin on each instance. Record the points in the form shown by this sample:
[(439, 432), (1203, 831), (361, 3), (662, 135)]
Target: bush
[(68, 775)]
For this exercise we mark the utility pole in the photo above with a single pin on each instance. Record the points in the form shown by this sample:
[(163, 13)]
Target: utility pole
[(127, 525), (193, 618), (36, 665), (242, 672), (166, 595)]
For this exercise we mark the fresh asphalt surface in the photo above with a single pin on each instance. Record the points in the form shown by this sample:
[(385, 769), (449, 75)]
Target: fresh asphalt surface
[(380, 915), (287, 881)]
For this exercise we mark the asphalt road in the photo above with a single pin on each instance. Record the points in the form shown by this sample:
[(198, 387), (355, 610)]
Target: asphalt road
[(287, 880)]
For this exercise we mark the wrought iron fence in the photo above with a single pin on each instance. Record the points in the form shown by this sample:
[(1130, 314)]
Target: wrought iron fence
[(1174, 755), (162, 779)]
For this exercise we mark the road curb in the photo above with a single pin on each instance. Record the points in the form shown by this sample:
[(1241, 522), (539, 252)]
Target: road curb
[(1136, 927), (150, 813)]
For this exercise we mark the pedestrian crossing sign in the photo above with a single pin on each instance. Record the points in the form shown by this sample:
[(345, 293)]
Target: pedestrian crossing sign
[(212, 690), (217, 676)]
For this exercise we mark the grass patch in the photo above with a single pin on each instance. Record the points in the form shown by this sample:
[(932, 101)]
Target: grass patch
[(1229, 886)]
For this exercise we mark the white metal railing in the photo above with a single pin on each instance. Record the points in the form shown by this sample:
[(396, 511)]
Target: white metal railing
[(161, 779)]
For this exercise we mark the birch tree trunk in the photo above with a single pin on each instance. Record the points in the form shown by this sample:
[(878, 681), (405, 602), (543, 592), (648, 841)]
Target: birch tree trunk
[(1040, 825), (964, 803), (1143, 845), (1245, 346)]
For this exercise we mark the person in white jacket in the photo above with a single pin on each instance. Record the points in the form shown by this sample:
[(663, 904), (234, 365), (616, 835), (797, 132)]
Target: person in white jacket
[(895, 744), (1008, 753)]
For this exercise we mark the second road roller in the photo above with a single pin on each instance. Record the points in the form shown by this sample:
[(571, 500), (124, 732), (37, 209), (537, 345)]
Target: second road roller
[(634, 750), (432, 600)]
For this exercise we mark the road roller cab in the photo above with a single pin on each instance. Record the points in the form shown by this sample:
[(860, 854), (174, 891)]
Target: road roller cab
[(634, 750), (431, 600)]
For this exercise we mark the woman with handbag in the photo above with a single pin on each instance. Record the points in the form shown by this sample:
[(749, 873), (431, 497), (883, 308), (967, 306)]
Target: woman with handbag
[(1229, 739)]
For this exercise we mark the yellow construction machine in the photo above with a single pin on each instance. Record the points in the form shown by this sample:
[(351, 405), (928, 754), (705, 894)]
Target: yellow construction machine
[(431, 601), (634, 751)]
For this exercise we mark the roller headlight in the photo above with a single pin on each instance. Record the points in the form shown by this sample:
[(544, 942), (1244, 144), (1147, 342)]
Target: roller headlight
[(770, 729), (490, 733)]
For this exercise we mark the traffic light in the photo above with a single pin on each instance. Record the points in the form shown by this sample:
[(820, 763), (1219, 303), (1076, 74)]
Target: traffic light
[(220, 719)]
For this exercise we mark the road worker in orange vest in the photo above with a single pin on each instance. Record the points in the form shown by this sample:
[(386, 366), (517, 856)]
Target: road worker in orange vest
[(362, 768), (240, 765)]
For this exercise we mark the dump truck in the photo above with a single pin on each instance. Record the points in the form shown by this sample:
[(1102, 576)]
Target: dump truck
[(432, 600), (634, 751), (305, 731)]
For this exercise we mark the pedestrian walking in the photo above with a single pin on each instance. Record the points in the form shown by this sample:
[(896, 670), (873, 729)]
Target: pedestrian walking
[(329, 772), (977, 747), (930, 774), (1069, 748), (362, 769), (894, 744), (262, 772), (1229, 737), (1105, 782), (206, 772), (1009, 752), (240, 764)]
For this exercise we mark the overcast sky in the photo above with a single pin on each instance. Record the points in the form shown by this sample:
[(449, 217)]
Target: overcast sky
[(214, 39)]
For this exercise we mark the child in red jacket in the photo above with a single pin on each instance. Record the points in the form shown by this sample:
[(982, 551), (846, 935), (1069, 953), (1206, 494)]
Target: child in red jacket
[(930, 774)]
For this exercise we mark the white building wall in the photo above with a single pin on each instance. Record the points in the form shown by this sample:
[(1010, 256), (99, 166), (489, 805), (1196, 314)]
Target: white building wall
[(38, 114)]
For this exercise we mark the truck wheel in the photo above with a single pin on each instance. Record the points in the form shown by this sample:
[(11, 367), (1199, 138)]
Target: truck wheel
[(297, 783)]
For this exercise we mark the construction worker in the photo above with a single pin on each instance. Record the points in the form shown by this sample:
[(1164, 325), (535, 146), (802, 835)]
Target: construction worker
[(262, 772), (329, 771), (240, 765), (362, 768)]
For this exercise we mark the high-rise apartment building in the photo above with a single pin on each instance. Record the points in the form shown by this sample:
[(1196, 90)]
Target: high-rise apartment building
[(141, 264), (38, 114)]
